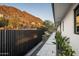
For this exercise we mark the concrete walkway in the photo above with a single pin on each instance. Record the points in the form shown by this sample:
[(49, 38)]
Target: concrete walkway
[(48, 49)]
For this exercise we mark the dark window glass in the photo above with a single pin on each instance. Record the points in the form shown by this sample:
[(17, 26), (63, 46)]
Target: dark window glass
[(77, 28)]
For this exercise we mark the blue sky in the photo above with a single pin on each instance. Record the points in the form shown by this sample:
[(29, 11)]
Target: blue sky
[(41, 10)]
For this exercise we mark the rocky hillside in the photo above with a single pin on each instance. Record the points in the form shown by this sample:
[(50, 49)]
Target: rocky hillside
[(17, 19)]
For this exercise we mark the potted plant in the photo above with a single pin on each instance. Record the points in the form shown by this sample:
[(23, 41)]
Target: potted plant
[(63, 46)]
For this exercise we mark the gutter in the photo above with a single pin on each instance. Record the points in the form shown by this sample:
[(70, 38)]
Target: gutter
[(52, 4)]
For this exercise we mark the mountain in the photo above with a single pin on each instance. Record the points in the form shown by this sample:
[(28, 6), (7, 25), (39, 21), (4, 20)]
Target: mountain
[(18, 19)]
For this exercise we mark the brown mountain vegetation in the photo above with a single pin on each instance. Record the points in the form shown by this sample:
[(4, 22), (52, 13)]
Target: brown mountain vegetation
[(17, 19)]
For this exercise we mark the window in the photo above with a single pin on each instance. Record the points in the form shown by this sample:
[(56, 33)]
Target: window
[(76, 20), (63, 25)]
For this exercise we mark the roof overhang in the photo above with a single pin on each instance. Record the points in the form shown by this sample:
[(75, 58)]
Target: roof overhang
[(60, 10)]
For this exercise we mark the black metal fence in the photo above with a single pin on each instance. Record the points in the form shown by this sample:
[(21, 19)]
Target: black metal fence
[(18, 42)]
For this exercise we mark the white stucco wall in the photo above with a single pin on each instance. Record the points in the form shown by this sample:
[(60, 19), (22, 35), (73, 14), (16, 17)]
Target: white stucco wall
[(58, 29), (69, 29)]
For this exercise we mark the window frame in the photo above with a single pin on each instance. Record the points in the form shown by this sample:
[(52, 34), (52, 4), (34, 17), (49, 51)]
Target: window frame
[(75, 28)]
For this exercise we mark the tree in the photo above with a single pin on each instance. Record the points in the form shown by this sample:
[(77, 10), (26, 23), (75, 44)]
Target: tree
[(49, 26), (3, 22)]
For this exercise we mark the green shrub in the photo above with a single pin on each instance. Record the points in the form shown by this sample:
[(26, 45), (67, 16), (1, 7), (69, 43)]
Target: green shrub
[(49, 28), (3, 23), (63, 47)]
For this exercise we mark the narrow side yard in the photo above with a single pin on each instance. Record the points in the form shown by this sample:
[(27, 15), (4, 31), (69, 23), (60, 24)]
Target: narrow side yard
[(48, 49)]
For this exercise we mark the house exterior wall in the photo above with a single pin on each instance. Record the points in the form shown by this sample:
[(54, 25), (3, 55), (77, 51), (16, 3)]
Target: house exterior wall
[(68, 31)]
